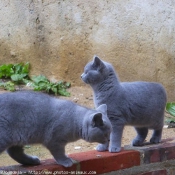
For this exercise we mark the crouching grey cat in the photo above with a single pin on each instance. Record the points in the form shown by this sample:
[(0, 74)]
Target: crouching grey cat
[(28, 117), (140, 104)]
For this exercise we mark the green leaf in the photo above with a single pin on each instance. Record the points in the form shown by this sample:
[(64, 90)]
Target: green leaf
[(63, 92), (68, 85), (25, 68), (37, 88), (18, 77), (54, 88), (28, 82), (21, 69), (6, 70), (170, 120), (39, 78), (2, 84), (43, 85), (19, 74), (9, 86), (170, 108), (17, 68)]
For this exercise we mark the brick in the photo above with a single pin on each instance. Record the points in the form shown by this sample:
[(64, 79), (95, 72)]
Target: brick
[(159, 153), (151, 156), (168, 152), (89, 161), (103, 162), (47, 165)]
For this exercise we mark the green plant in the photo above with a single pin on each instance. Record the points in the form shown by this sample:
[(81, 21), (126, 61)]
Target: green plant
[(16, 72), (170, 109), (19, 74), (41, 83), (6, 71), (9, 85)]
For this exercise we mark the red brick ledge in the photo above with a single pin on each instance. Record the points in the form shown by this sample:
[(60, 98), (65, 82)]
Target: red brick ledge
[(93, 162), (156, 152)]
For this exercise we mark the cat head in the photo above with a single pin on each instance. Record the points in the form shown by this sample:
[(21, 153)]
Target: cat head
[(96, 71), (97, 127)]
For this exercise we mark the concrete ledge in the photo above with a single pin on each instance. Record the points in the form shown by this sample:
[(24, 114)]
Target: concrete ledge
[(146, 160)]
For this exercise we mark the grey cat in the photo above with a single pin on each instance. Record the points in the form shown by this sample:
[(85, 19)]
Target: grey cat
[(140, 104), (28, 117)]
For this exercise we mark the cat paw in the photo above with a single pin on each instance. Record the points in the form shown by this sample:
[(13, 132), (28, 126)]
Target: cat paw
[(101, 147), (155, 140), (29, 160), (35, 160), (114, 149), (66, 162), (137, 142)]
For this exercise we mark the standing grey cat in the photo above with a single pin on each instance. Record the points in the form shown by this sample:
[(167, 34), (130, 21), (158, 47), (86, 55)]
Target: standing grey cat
[(28, 117), (140, 104)]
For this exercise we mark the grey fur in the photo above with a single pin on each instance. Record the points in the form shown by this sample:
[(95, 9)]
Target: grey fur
[(140, 104), (28, 117)]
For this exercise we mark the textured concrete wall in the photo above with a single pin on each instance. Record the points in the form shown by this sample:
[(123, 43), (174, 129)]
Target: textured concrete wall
[(58, 37)]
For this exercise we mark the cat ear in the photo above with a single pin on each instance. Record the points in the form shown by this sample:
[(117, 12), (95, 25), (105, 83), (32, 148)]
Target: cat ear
[(97, 62), (102, 108), (97, 120)]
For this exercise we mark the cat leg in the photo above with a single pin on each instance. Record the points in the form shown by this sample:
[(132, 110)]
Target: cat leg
[(115, 138), (141, 135), (102, 147), (3, 145), (5, 141), (2, 148), (58, 152), (17, 153), (156, 137)]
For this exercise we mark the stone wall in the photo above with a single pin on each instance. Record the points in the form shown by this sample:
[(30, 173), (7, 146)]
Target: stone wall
[(58, 37)]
